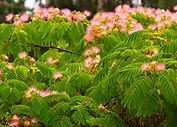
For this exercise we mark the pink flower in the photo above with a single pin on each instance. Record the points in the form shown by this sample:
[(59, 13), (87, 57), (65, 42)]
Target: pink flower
[(33, 120), (160, 67), (45, 12), (87, 53), (15, 121), (1, 72), (155, 52), (175, 8), (57, 75), (47, 93), (24, 17), (10, 66), (31, 59), (97, 59), (87, 13), (44, 93), (111, 25), (67, 13), (89, 37), (145, 67), (22, 55), (30, 90), (95, 49), (9, 17), (50, 60), (88, 62)]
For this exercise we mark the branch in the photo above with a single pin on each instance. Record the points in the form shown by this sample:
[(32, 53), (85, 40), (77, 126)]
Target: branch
[(59, 49)]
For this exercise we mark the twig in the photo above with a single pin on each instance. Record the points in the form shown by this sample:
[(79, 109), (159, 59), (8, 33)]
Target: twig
[(59, 49)]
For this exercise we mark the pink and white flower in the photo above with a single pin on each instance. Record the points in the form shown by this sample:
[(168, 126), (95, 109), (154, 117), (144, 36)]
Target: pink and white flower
[(10, 66), (24, 17), (22, 55), (57, 75), (145, 67), (9, 17), (15, 121), (160, 66)]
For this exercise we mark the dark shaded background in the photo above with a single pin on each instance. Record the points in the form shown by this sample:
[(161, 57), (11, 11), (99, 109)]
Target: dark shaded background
[(94, 6)]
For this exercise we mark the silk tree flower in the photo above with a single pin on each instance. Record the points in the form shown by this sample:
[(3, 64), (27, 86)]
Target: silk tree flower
[(42, 93), (97, 59), (153, 66), (145, 67), (47, 93), (17, 20), (57, 75), (31, 89), (31, 59), (89, 37), (1, 72), (91, 62), (24, 17), (148, 57), (175, 8), (9, 17), (22, 55), (53, 12), (78, 16), (50, 60), (67, 13), (95, 49), (88, 62), (91, 51), (33, 120), (87, 13), (5, 57), (41, 13), (155, 52), (10, 66), (15, 121), (160, 66)]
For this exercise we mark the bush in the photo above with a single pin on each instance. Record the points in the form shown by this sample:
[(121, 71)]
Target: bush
[(59, 69)]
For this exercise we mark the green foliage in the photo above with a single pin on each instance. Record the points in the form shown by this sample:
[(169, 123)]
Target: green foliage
[(134, 81)]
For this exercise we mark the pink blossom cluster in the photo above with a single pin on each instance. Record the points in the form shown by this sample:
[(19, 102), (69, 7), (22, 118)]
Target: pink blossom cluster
[(91, 57), (101, 24), (17, 121), (57, 75), (17, 19), (162, 18), (34, 91), (50, 13), (52, 61), (10, 66), (153, 66), (124, 20), (22, 55)]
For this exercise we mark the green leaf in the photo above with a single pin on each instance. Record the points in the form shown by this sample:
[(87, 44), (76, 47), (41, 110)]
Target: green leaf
[(18, 42), (80, 115), (22, 109)]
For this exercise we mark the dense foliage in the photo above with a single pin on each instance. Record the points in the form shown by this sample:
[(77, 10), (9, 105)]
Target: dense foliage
[(58, 69)]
